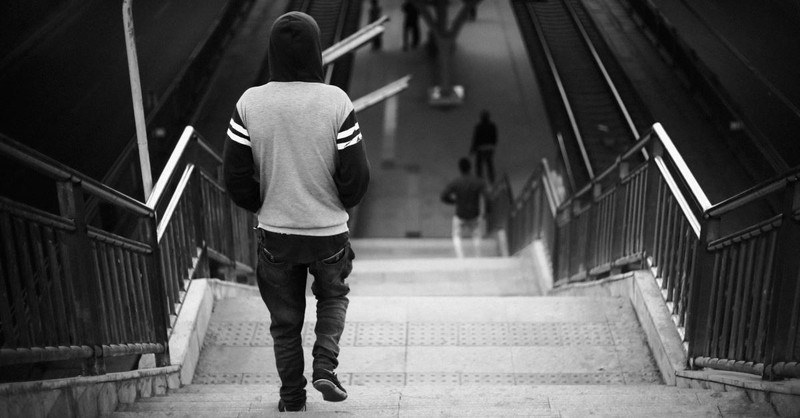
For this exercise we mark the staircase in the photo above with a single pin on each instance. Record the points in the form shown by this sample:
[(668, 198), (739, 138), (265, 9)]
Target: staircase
[(435, 337)]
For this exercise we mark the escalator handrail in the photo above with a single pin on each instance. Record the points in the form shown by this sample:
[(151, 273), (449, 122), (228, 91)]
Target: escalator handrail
[(562, 92)]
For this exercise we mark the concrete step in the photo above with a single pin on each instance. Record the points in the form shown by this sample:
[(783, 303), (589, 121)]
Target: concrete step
[(446, 340), (390, 248), (441, 277), (477, 400)]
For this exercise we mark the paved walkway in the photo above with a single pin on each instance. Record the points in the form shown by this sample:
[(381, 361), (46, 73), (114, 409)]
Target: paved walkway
[(414, 148)]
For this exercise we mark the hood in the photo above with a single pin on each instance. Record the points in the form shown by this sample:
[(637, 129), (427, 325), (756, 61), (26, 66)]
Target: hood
[(295, 51)]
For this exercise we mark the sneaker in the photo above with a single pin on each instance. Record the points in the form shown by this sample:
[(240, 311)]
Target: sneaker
[(326, 382), (283, 408)]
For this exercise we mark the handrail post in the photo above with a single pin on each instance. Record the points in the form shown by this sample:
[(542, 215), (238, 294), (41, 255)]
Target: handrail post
[(158, 291), (574, 240), (591, 235), (700, 282), (620, 208), (198, 219), (82, 275), (651, 204), (782, 331)]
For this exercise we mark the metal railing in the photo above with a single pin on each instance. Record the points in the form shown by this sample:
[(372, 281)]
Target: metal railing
[(735, 299), (747, 300), (75, 291), (72, 291)]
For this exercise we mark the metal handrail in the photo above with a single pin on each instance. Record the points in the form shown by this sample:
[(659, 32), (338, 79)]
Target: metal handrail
[(753, 193), (552, 197), (565, 158), (58, 171), (669, 147), (189, 134), (687, 175), (676, 193)]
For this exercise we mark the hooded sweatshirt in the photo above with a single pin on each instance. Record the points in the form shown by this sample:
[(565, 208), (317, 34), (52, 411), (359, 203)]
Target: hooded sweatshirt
[(294, 152)]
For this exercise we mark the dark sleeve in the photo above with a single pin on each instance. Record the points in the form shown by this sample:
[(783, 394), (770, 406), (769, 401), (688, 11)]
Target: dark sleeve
[(494, 134), (238, 168), (448, 195), (352, 171)]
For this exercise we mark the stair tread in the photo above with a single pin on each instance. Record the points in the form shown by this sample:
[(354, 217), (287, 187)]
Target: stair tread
[(477, 400)]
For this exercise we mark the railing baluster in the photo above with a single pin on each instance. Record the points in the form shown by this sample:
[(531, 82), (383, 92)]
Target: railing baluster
[(736, 291), (135, 296), (42, 285), (744, 298), (59, 295), (28, 285), (766, 296), (12, 312), (128, 304), (104, 320), (755, 291), (729, 284), (122, 311), (140, 271)]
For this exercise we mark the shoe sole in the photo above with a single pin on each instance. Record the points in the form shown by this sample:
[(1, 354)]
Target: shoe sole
[(330, 392)]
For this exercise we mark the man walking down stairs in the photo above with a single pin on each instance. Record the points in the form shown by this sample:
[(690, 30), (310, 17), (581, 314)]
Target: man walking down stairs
[(453, 339)]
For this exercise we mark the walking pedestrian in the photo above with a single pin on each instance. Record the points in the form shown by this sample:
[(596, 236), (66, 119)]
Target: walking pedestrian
[(294, 155), (470, 196), (375, 14), (484, 142), (410, 25)]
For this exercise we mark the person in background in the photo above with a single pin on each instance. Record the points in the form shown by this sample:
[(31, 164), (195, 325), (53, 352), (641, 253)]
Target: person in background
[(484, 142), (470, 197), (410, 25), (375, 14), (295, 157)]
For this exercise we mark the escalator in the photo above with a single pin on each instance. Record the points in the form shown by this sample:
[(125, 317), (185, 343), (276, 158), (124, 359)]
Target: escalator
[(590, 102)]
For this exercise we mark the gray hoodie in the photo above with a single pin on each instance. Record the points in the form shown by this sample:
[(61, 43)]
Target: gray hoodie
[(294, 153)]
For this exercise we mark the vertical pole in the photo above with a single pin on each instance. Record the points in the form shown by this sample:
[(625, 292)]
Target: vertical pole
[(618, 226), (136, 96), (651, 198), (158, 291), (700, 282)]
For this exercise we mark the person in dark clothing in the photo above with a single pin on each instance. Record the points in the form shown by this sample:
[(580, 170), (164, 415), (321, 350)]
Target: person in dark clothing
[(484, 142), (410, 25), (375, 14), (294, 156), (470, 196)]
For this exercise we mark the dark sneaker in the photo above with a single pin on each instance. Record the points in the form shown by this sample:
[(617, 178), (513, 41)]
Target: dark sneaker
[(327, 383), (283, 408)]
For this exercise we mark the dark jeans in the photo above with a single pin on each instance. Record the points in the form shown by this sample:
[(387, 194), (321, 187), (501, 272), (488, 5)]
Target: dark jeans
[(485, 158), (410, 31), (282, 285)]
